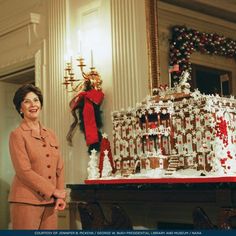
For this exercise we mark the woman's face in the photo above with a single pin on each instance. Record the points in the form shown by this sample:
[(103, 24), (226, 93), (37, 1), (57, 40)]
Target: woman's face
[(31, 106)]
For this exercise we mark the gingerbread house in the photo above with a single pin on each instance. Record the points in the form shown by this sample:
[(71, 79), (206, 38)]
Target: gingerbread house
[(176, 133)]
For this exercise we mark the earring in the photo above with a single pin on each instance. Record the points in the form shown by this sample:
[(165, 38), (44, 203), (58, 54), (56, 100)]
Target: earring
[(21, 112)]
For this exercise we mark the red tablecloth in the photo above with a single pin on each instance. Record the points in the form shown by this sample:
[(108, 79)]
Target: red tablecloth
[(163, 180)]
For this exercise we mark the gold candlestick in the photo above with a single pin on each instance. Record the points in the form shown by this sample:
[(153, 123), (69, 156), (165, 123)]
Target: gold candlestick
[(74, 84)]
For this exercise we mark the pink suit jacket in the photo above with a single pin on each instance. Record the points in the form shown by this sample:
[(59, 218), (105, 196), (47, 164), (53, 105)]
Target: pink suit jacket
[(38, 165)]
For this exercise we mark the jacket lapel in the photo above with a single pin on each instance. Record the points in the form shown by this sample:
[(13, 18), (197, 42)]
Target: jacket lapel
[(34, 134)]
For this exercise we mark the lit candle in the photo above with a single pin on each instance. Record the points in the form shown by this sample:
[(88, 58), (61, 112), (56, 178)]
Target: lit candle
[(79, 39), (91, 58), (80, 48), (67, 58), (65, 73), (169, 80)]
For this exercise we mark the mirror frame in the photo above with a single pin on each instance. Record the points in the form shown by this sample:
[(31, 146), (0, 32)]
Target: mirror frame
[(151, 7), (152, 44)]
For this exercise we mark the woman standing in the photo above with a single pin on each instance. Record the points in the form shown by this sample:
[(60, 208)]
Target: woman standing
[(37, 190)]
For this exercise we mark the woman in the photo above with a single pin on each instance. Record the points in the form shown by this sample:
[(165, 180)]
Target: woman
[(37, 191)]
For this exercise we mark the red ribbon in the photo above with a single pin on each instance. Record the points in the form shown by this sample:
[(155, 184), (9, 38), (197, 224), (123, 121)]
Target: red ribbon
[(90, 97)]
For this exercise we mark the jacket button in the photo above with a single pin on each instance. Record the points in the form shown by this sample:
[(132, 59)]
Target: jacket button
[(49, 177), (48, 166), (47, 155), (44, 145)]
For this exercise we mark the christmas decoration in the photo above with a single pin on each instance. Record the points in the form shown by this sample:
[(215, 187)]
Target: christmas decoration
[(106, 169), (85, 108), (93, 171), (178, 133), (185, 41), (226, 151), (221, 130), (105, 146)]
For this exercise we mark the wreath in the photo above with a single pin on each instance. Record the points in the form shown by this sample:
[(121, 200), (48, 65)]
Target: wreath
[(185, 41)]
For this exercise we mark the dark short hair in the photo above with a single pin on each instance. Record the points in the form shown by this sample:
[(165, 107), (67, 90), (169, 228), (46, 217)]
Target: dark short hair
[(22, 92)]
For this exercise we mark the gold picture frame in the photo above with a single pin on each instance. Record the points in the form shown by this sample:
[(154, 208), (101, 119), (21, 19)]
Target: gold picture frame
[(152, 43)]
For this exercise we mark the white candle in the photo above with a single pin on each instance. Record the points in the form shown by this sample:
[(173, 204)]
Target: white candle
[(65, 73), (170, 80), (91, 58), (80, 48), (79, 39), (67, 58)]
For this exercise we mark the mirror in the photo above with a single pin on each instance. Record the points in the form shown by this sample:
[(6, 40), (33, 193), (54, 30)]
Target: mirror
[(195, 35)]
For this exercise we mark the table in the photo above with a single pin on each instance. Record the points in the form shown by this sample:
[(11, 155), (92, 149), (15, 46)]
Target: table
[(148, 204)]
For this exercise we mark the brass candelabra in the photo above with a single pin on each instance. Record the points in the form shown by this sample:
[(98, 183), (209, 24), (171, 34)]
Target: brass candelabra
[(74, 84)]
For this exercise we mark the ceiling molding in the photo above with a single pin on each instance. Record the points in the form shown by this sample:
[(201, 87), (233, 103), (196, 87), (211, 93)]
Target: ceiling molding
[(10, 25), (171, 9), (225, 10)]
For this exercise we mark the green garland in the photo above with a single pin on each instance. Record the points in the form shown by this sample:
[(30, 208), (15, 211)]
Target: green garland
[(185, 41)]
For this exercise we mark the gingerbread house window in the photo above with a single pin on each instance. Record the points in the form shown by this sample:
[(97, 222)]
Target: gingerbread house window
[(118, 165), (147, 164), (189, 146)]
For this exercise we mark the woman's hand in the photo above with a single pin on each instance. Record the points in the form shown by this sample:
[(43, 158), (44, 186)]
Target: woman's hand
[(60, 204), (59, 193)]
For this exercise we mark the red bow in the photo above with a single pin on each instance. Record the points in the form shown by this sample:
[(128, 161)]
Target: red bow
[(90, 97)]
